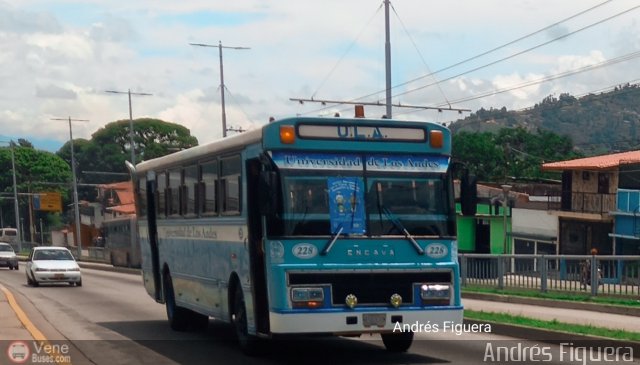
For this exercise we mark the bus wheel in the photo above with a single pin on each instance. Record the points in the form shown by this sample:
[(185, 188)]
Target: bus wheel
[(178, 316), (397, 341), (248, 343)]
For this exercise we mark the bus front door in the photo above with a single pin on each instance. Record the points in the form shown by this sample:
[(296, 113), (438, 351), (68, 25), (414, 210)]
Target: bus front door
[(256, 252), (153, 238)]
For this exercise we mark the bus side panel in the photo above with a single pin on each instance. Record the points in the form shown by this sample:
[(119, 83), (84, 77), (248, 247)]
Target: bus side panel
[(201, 258), (145, 253)]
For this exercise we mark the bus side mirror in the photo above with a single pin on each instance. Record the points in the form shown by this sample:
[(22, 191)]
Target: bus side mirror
[(468, 195), (268, 193)]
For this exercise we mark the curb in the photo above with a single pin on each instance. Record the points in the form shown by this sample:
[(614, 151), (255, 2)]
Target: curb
[(111, 268), (554, 337), (602, 308)]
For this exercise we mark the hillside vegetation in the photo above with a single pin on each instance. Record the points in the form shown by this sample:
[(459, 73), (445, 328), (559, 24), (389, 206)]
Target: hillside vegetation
[(595, 123)]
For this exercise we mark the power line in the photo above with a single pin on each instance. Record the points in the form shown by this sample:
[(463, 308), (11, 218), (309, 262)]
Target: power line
[(508, 43), (610, 62), (419, 54), (523, 51), (346, 52), (504, 58)]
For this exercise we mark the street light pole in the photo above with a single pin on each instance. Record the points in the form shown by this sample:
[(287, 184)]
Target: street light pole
[(128, 92), (15, 197), (505, 192), (220, 47), (15, 194), (387, 57), (76, 208)]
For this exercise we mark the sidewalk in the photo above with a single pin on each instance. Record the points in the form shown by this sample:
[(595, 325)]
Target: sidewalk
[(10, 326), (596, 318)]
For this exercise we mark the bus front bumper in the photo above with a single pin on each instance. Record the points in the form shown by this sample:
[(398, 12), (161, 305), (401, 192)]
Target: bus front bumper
[(354, 322)]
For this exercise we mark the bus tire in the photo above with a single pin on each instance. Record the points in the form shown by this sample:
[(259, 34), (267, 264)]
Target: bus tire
[(248, 343), (397, 341), (178, 317)]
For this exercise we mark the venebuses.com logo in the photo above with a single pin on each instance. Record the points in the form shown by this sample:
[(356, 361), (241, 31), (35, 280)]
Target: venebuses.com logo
[(18, 352)]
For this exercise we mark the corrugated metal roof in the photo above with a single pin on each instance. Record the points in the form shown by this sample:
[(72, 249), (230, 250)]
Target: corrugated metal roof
[(125, 197), (123, 209), (604, 162)]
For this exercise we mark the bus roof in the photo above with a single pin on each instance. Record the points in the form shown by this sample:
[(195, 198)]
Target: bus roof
[(203, 150), (268, 131)]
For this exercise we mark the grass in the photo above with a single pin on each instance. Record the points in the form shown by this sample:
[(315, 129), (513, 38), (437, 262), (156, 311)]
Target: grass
[(572, 297), (553, 325)]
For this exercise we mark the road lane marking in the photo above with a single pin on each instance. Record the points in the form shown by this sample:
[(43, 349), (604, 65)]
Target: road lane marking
[(26, 322), (36, 334)]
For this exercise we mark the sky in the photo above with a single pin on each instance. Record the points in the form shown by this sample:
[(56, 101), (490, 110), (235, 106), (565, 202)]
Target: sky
[(57, 59)]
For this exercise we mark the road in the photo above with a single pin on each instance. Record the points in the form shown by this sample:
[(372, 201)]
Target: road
[(111, 320)]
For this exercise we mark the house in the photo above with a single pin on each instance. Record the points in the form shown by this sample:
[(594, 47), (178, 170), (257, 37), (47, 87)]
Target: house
[(117, 199), (626, 235), (485, 231), (588, 210)]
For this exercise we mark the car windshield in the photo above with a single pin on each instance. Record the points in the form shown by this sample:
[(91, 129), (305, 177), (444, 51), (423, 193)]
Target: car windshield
[(5, 248), (52, 255)]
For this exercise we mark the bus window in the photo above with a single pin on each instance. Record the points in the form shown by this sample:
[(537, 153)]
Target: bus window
[(208, 188), (173, 192), (189, 196), (230, 185), (306, 205), (421, 205), (161, 193)]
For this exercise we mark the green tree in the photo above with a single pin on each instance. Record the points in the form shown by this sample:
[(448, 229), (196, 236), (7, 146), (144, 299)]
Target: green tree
[(100, 159), (152, 138), (479, 153), (511, 153), (36, 171)]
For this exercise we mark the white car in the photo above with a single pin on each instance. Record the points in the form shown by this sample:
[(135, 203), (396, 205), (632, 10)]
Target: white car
[(52, 265), (8, 257)]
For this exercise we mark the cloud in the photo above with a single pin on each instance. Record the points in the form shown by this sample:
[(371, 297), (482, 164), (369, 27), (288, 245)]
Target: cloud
[(112, 29), (55, 92), (58, 57), (26, 22)]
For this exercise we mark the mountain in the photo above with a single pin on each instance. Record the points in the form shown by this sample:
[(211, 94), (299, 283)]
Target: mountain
[(596, 123)]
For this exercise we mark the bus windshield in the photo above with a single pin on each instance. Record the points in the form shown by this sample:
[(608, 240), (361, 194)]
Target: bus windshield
[(372, 204)]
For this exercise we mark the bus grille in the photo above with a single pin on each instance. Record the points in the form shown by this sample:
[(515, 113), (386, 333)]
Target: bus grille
[(370, 288)]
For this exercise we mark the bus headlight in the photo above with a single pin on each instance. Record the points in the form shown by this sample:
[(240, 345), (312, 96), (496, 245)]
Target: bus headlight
[(351, 301), (435, 294), (307, 297), (396, 300)]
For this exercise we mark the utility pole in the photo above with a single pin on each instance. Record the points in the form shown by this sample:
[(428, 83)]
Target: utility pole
[(15, 193), (505, 201), (387, 61), (76, 208), (220, 47), (15, 196), (387, 57), (128, 92)]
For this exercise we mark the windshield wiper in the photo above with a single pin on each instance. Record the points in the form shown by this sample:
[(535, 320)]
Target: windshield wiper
[(333, 240), (401, 228)]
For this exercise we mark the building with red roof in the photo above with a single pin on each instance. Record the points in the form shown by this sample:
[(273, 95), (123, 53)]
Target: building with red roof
[(591, 204)]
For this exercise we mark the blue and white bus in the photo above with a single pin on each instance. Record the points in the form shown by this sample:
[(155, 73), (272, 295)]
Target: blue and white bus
[(120, 241), (339, 226)]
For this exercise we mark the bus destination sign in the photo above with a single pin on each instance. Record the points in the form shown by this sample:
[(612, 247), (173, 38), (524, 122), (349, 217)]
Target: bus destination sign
[(361, 133), (394, 163)]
